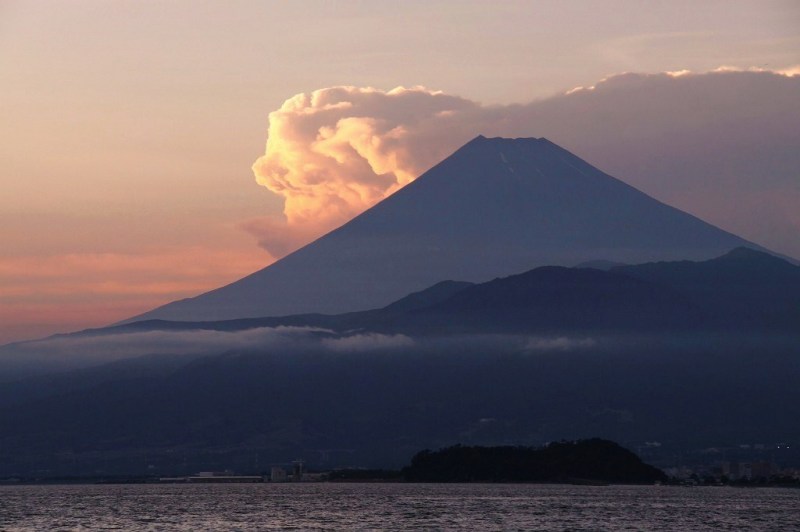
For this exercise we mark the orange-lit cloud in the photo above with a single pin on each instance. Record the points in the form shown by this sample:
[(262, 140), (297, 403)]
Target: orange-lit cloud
[(337, 151), (280, 238), (700, 141), (789, 72)]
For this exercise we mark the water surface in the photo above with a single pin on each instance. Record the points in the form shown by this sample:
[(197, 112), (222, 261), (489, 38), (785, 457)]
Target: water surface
[(395, 507)]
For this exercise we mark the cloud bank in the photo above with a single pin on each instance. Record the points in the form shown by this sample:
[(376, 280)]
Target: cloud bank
[(69, 352), (721, 145), (561, 343), (367, 342)]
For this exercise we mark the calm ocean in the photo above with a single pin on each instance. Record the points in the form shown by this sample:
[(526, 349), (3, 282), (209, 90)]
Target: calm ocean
[(395, 507)]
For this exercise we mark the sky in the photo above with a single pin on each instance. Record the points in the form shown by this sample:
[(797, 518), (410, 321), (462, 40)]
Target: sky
[(135, 169)]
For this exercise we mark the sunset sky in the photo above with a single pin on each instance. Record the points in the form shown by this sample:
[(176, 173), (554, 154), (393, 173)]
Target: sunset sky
[(132, 137)]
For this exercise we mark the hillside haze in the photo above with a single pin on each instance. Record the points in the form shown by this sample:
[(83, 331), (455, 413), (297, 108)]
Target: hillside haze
[(493, 208)]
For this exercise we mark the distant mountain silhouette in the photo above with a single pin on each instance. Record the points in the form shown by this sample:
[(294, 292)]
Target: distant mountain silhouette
[(430, 296), (553, 298), (744, 289), (494, 208), (600, 264)]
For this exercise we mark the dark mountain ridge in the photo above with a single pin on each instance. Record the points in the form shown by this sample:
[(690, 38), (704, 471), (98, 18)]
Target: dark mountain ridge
[(744, 289)]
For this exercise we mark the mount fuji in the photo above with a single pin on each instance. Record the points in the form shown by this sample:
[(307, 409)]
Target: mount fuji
[(493, 208)]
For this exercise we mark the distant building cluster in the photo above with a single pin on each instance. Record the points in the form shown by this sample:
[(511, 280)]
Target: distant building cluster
[(747, 470), (278, 473), (296, 473), (742, 463), (215, 477), (734, 471), (723, 472)]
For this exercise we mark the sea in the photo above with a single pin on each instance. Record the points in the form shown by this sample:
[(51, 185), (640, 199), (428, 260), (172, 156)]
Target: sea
[(376, 506)]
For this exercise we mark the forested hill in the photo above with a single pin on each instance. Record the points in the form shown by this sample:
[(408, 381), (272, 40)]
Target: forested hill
[(583, 460)]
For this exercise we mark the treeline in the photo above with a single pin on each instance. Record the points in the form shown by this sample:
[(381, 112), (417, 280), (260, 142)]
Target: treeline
[(593, 460)]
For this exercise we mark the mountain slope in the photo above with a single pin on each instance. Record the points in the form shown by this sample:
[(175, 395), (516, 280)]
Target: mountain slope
[(493, 208), (556, 299), (743, 290), (744, 287), (247, 410)]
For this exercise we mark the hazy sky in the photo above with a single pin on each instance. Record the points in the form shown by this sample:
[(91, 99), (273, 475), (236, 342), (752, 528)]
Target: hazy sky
[(129, 128)]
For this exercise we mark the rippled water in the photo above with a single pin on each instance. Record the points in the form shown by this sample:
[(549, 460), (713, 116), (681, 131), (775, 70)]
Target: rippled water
[(395, 507)]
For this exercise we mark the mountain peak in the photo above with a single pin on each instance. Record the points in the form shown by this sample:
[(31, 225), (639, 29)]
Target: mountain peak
[(509, 140), (495, 207), (744, 256), (500, 143), (746, 253)]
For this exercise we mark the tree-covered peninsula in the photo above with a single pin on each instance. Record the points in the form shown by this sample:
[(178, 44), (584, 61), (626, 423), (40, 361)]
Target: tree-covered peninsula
[(594, 460)]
